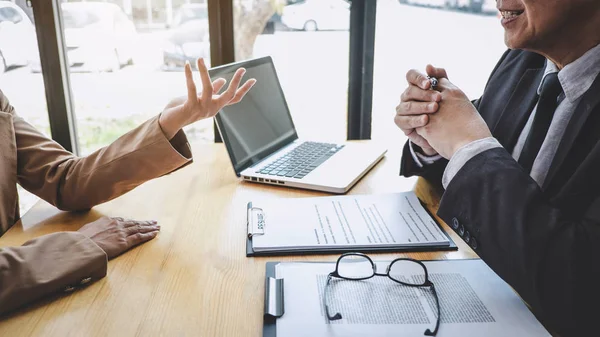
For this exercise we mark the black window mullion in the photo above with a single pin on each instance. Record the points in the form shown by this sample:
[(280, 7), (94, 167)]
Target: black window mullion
[(53, 58), (222, 47), (360, 85)]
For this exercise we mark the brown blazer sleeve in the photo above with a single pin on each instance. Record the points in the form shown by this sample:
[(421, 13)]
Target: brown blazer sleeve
[(77, 183), (53, 263)]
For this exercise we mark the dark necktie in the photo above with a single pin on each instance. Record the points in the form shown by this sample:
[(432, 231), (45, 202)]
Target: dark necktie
[(551, 89)]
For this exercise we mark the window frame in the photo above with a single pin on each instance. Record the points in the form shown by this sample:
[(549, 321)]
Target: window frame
[(363, 16), (55, 69)]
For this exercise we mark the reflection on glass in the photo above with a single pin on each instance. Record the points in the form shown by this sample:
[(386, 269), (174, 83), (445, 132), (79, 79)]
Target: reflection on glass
[(261, 121)]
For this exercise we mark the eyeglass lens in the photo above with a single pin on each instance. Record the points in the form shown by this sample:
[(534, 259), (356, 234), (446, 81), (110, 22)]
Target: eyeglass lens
[(408, 272), (355, 267)]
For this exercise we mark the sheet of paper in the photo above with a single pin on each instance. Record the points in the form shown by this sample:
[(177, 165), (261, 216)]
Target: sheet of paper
[(347, 221), (474, 302)]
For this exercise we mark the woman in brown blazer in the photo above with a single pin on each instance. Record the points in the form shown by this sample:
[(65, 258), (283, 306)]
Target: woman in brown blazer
[(57, 261)]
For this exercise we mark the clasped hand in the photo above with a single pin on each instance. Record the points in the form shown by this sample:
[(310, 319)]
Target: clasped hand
[(440, 121)]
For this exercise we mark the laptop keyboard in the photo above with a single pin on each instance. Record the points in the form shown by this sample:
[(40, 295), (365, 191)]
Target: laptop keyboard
[(302, 160)]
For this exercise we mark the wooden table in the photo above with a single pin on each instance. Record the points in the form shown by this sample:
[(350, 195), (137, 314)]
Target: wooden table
[(194, 278)]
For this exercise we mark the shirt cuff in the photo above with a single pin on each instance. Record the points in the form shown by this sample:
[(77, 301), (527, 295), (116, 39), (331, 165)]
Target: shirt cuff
[(179, 142), (421, 159), (466, 153)]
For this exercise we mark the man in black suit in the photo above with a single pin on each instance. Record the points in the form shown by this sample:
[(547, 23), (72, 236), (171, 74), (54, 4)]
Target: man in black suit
[(521, 165)]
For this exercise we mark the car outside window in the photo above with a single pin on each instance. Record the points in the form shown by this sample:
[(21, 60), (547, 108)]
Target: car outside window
[(10, 14), (189, 14), (79, 18), (121, 21)]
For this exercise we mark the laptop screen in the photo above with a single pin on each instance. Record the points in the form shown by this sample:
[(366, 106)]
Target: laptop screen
[(261, 123)]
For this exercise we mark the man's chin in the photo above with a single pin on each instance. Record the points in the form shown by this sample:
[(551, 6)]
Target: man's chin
[(513, 42)]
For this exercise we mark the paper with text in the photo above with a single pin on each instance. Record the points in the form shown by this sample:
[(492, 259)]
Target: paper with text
[(361, 221), (474, 301)]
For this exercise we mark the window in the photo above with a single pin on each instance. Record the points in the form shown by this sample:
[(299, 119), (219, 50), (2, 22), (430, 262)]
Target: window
[(24, 89), (126, 61), (465, 37), (310, 49)]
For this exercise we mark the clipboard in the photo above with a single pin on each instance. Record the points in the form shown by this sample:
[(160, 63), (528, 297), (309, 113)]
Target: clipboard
[(274, 305), (259, 229)]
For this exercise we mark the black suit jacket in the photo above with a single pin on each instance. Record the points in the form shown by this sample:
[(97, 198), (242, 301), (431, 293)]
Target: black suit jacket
[(545, 242)]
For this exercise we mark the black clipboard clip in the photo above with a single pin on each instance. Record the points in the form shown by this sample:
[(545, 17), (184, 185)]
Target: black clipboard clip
[(255, 221)]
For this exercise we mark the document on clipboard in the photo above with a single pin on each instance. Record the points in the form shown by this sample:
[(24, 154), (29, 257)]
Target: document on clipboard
[(474, 302), (367, 223)]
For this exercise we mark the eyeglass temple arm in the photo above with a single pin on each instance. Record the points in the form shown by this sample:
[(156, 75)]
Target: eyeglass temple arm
[(335, 317), (428, 332)]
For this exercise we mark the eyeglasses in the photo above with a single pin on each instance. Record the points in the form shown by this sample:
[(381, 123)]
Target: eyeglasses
[(358, 267)]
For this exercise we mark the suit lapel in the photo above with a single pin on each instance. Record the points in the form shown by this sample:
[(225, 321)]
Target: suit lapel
[(519, 108), (589, 101)]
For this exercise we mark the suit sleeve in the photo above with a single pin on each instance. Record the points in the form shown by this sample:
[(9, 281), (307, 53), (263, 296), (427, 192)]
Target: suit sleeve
[(432, 172), (548, 256), (50, 264), (78, 183)]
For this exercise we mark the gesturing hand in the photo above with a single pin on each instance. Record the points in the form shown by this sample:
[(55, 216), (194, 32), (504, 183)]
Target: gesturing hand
[(456, 123), (184, 111), (416, 103), (116, 236)]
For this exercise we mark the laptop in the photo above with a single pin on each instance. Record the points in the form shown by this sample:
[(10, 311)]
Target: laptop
[(264, 147)]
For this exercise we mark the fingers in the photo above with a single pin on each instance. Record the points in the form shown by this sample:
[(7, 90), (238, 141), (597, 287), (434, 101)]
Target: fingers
[(229, 94), (419, 79), (444, 85), (139, 238), (132, 227), (239, 95), (191, 85), (218, 84), (408, 123), (414, 93), (129, 223), (141, 228), (416, 108), (207, 88), (438, 73), (138, 232)]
